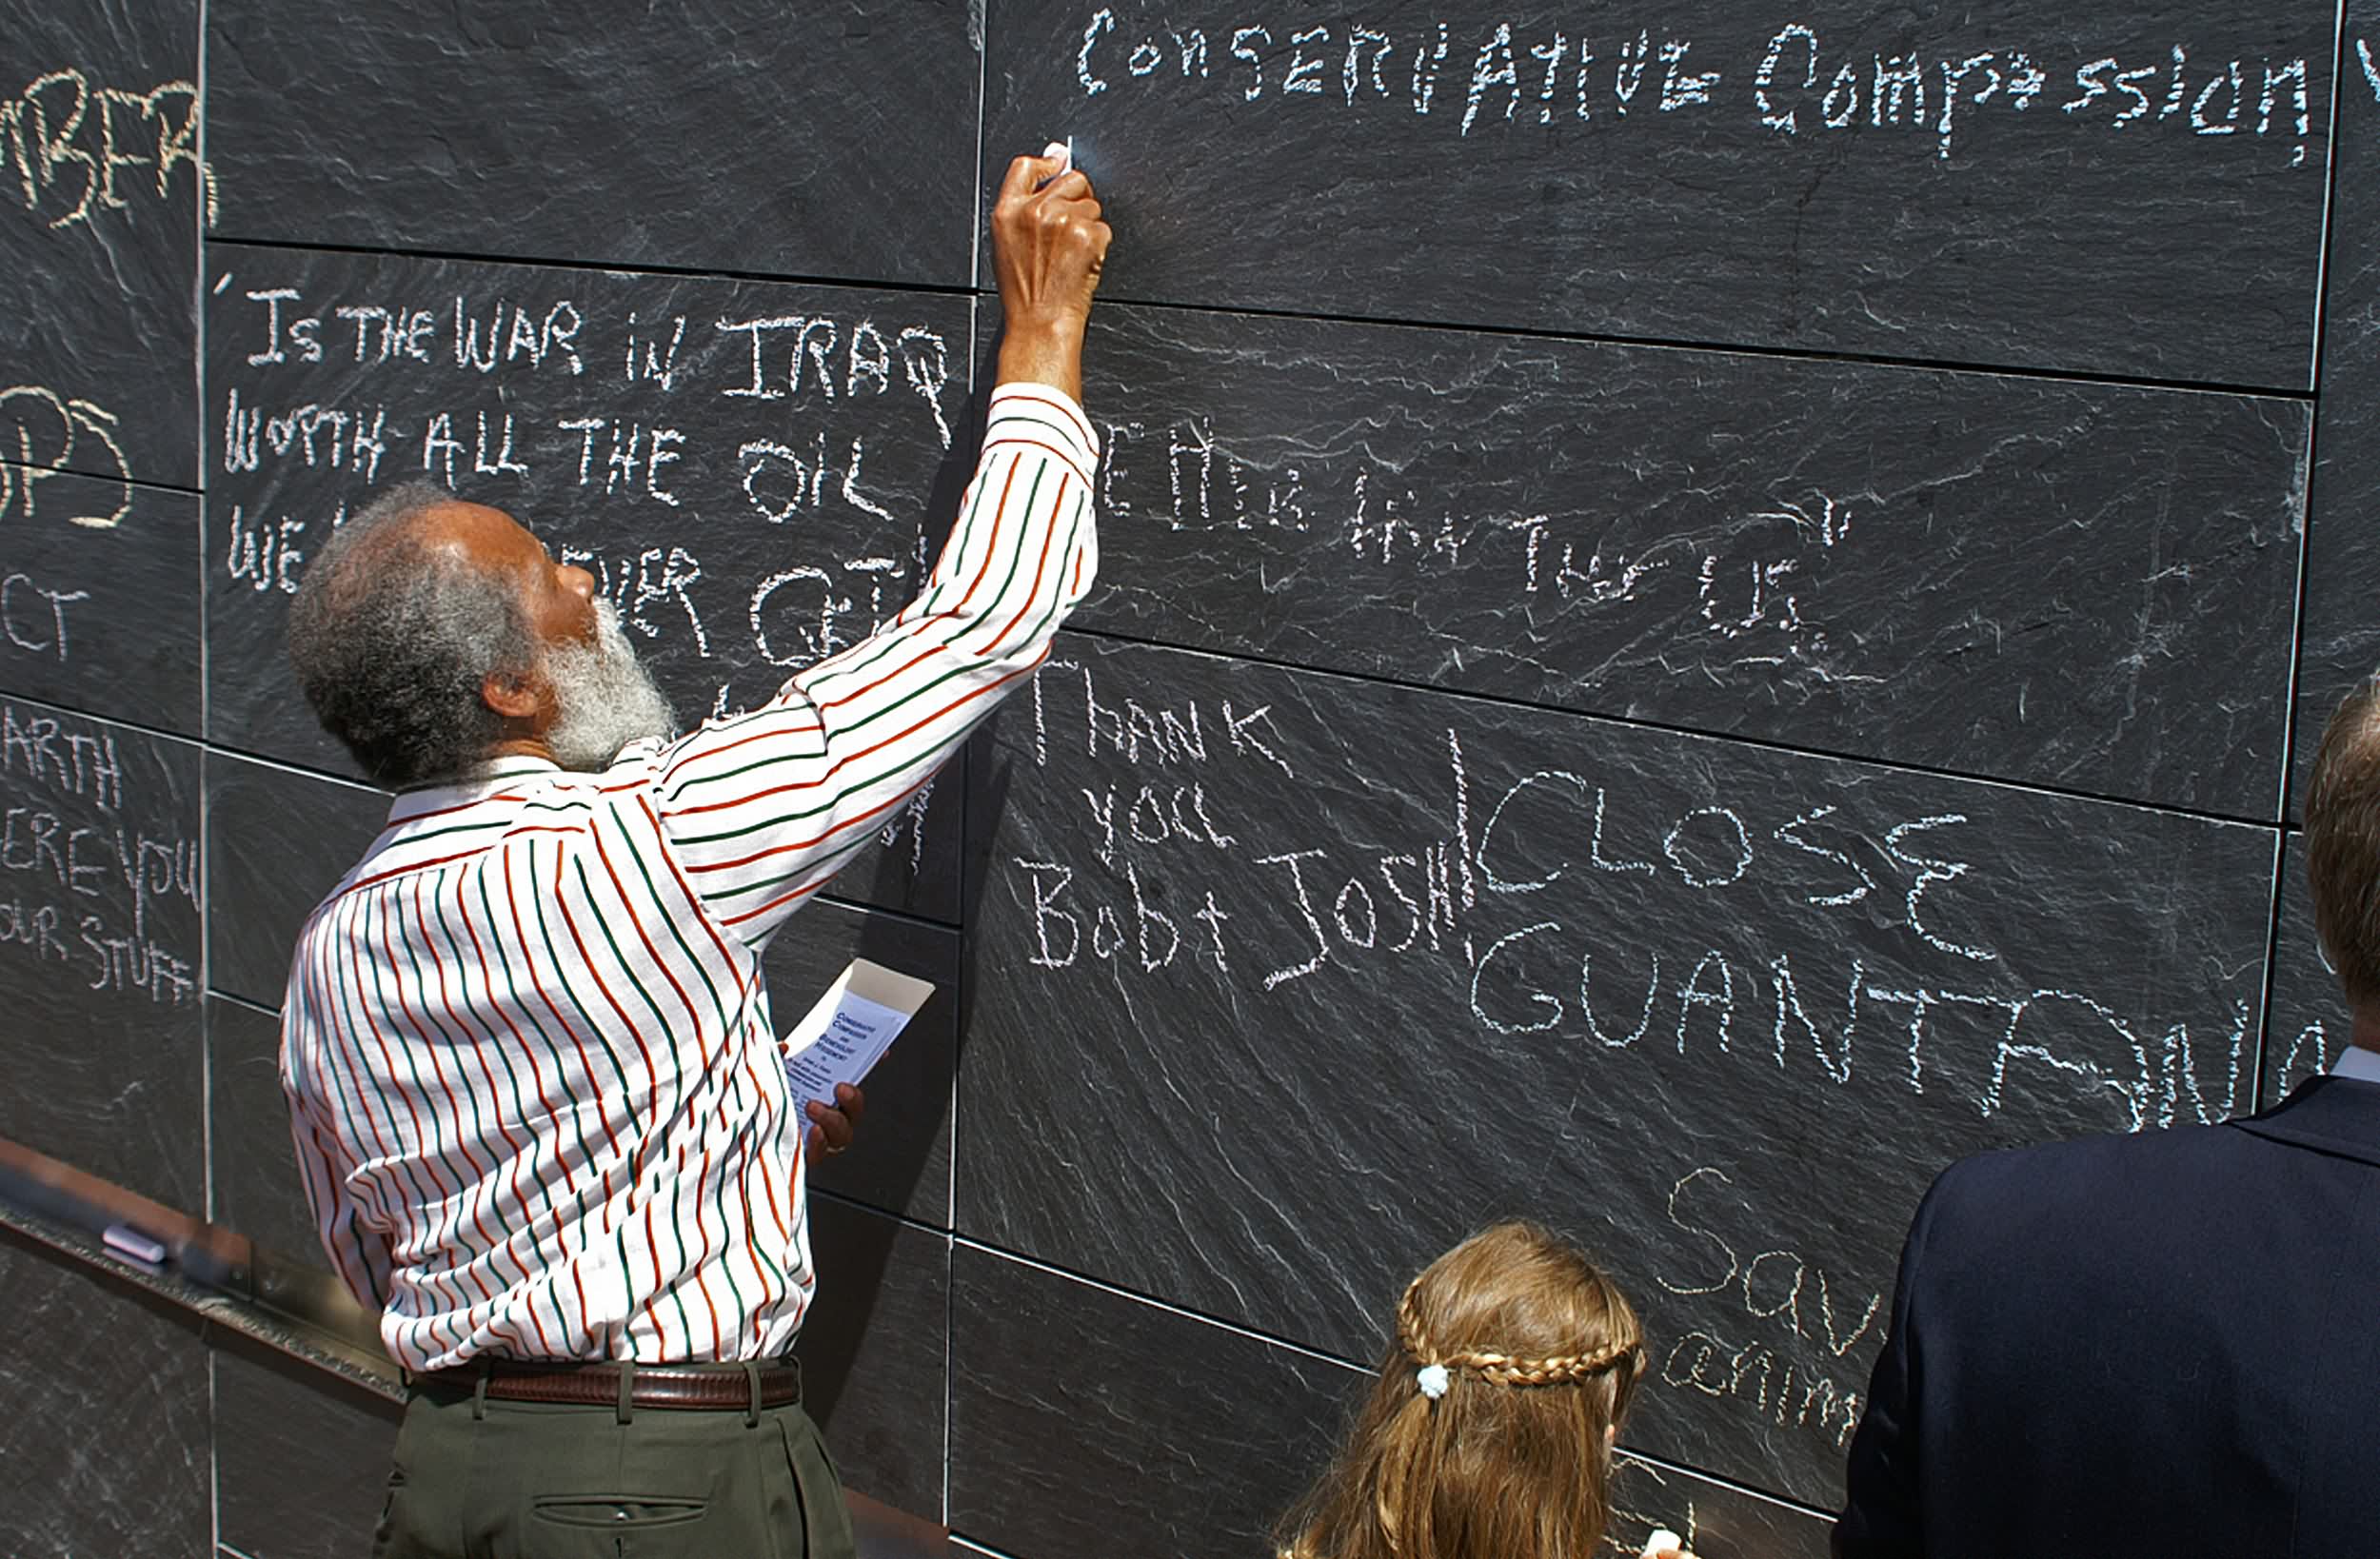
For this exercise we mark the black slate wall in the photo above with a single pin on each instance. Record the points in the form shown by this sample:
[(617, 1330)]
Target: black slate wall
[(1701, 612)]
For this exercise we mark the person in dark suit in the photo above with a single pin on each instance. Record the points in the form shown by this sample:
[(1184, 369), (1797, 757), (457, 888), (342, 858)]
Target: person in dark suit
[(2163, 1344)]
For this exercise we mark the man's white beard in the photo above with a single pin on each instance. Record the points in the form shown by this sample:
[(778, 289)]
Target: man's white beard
[(605, 698)]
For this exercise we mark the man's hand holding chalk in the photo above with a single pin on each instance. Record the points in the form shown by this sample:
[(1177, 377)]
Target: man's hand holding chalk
[(1048, 244)]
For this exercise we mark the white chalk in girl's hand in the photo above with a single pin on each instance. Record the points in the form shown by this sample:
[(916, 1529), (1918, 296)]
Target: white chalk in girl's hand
[(1662, 1541), (1063, 151)]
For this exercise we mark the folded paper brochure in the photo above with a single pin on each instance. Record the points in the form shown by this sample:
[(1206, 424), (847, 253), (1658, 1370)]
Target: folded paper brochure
[(849, 1029)]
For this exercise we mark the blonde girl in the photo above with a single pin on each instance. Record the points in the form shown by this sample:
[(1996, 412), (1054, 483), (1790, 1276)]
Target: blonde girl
[(1489, 1432)]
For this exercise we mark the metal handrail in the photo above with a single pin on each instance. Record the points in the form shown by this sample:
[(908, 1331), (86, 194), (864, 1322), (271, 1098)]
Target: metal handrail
[(294, 1307)]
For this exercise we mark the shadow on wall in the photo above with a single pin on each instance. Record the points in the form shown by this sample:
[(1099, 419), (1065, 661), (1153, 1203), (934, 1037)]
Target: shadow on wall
[(915, 1076)]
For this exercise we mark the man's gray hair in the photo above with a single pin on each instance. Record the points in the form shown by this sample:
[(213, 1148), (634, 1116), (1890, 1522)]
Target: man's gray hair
[(392, 641)]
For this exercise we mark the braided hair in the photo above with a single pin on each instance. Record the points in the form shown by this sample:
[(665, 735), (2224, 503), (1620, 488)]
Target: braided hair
[(1504, 1369), (1487, 1433)]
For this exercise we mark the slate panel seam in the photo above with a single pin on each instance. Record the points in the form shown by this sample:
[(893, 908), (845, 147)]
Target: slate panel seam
[(888, 1214), (214, 1444), (2314, 435), (1671, 728), (2271, 961), (81, 711), (206, 952), (137, 484), (2329, 202), (205, 1084), (1941, 366), (978, 24), (242, 1001), (2291, 833), (964, 995), (968, 1242), (198, 400), (2304, 527), (951, 1315), (160, 732), (283, 765), (1363, 1367), (1721, 1480), (1791, 354), (269, 761), (608, 269), (907, 917)]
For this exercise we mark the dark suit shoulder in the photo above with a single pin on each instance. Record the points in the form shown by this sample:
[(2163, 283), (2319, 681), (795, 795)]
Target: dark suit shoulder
[(2126, 1205), (2086, 1169), (2117, 1201), (2148, 1343)]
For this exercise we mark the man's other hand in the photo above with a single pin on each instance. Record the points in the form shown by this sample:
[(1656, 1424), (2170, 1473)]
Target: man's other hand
[(1048, 244), (831, 1127)]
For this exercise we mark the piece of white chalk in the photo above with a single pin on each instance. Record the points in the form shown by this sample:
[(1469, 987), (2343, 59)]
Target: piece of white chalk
[(1662, 1541), (1063, 151), (126, 1240)]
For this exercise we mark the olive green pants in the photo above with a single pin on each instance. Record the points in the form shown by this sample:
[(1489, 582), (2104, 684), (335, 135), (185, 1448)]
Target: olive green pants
[(528, 1480)]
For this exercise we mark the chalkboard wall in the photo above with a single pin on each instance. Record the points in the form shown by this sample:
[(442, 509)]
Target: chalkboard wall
[(1701, 612)]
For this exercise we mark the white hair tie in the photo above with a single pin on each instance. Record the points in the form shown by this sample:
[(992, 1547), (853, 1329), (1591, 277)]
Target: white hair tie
[(1432, 1378)]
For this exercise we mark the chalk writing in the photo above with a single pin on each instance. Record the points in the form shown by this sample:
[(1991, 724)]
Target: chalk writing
[(1639, 1494), (265, 555), (1212, 844), (1808, 1309), (2163, 1079), (819, 361), (809, 360), (333, 438), (85, 884), (1775, 1388), (39, 748), (781, 344), (474, 338), (784, 483), (1750, 596), (44, 434), (73, 146), (2313, 1040), (2311, 1050), (33, 615), (1540, 73), (747, 470), (808, 613)]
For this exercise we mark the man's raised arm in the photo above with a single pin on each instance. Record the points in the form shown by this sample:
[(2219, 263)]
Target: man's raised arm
[(763, 808)]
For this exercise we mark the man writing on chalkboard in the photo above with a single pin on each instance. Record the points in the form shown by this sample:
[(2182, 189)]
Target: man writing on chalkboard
[(537, 1100), (2161, 1344)]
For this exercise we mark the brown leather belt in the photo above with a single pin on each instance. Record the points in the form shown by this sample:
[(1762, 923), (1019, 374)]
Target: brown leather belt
[(714, 1387)]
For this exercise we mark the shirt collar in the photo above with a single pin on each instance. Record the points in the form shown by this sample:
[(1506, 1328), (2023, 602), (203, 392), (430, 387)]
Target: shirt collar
[(2358, 1064), (416, 800), (512, 768), (495, 772)]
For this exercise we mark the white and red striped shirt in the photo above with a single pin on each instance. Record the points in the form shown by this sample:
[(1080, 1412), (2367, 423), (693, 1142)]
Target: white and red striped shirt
[(537, 1095)]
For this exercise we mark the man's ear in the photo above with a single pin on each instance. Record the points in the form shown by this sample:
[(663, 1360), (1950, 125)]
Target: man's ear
[(509, 694)]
